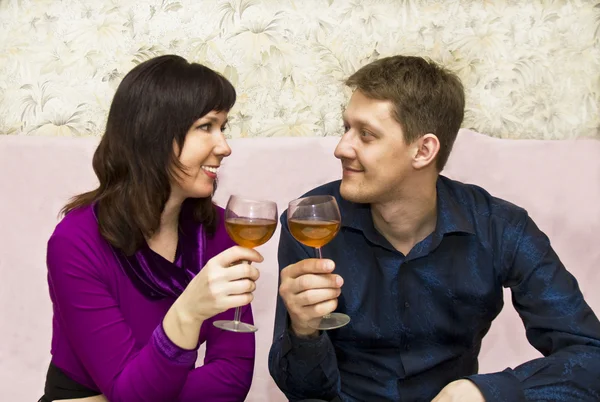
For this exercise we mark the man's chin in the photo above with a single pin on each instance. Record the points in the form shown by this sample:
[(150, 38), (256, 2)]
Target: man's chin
[(353, 194)]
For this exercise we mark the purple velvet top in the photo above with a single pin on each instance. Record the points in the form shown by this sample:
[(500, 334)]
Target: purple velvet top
[(108, 335)]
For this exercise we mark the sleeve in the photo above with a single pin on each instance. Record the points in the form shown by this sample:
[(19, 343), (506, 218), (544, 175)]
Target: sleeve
[(99, 335), (301, 368), (558, 323), (228, 365), (229, 362)]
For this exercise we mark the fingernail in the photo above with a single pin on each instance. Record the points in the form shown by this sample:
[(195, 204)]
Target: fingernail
[(339, 281), (329, 266)]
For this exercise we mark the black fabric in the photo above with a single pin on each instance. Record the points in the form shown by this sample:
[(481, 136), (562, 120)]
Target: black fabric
[(60, 386)]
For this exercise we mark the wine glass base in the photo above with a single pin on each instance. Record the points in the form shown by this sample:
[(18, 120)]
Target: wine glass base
[(332, 321), (235, 326)]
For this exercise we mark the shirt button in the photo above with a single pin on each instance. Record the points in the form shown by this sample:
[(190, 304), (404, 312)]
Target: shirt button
[(407, 304)]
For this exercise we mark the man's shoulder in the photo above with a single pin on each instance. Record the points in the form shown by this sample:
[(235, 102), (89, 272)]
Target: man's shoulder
[(480, 203)]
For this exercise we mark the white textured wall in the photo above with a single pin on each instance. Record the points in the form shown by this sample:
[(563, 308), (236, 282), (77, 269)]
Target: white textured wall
[(531, 67)]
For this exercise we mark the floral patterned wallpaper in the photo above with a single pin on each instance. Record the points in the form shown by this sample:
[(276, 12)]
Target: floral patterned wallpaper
[(531, 67)]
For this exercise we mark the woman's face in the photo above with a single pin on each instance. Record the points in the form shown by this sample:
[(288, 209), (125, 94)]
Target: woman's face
[(203, 150)]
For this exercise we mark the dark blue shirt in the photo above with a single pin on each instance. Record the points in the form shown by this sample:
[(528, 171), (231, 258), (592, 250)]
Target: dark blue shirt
[(418, 320)]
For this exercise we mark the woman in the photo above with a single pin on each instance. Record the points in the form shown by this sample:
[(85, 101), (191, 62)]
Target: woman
[(139, 268)]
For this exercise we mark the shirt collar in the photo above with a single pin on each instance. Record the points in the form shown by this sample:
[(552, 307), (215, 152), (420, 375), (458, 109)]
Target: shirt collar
[(451, 215)]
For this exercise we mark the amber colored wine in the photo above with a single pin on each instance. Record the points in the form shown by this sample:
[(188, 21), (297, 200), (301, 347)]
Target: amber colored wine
[(313, 233), (248, 232)]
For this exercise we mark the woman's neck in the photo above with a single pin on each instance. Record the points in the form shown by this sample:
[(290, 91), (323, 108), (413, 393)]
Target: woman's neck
[(164, 240), (169, 218)]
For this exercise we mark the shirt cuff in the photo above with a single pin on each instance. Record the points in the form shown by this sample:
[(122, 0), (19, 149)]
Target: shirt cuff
[(499, 387), (170, 351), (310, 350)]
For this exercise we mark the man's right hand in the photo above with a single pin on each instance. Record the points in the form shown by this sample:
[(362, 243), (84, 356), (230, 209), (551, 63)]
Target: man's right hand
[(309, 290)]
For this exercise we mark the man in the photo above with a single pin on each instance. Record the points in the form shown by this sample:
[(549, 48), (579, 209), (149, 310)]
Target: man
[(423, 260)]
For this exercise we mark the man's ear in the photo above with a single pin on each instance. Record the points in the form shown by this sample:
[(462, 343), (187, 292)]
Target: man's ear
[(425, 151)]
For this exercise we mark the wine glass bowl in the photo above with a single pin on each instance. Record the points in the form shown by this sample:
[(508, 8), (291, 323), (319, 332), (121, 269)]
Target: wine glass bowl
[(248, 232), (313, 233)]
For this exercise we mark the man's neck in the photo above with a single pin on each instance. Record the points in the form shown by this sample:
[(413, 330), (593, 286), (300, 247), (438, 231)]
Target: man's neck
[(409, 218)]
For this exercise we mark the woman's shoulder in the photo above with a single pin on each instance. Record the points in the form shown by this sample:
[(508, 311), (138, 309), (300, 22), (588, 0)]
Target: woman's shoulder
[(81, 220), (78, 231), (220, 236), (220, 240), (220, 214)]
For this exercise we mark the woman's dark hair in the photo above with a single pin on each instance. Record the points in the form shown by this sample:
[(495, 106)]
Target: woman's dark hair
[(152, 110)]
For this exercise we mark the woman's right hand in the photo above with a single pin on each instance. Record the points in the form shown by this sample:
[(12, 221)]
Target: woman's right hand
[(220, 285)]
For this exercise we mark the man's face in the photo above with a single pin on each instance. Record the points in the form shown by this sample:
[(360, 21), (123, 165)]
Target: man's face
[(375, 158)]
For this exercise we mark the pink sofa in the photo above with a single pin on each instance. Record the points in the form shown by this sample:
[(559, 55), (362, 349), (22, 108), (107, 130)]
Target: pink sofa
[(558, 182)]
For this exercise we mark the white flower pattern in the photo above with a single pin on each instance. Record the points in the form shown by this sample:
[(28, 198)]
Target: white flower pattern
[(531, 69)]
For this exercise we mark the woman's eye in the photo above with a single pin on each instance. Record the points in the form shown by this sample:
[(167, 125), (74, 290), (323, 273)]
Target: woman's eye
[(223, 128), (205, 127)]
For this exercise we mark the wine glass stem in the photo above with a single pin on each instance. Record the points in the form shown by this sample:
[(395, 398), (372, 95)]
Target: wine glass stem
[(237, 317), (321, 257)]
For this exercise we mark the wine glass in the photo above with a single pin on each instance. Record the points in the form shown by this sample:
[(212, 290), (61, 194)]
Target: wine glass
[(249, 223), (314, 221)]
